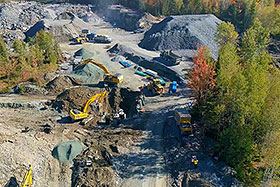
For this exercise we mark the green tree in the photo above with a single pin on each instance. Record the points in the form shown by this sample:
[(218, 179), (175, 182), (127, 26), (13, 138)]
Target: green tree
[(255, 41), (226, 33), (3, 51), (19, 47), (47, 46)]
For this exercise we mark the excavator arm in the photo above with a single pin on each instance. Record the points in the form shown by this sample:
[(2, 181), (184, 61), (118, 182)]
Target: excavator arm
[(27, 180), (86, 107), (90, 60)]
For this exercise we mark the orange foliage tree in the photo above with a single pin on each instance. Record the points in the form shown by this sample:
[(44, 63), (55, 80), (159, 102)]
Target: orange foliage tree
[(201, 77)]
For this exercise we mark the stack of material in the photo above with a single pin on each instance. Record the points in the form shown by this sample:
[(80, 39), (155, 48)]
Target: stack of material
[(67, 151), (183, 32)]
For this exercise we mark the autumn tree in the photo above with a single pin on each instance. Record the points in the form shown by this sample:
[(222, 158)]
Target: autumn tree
[(201, 78)]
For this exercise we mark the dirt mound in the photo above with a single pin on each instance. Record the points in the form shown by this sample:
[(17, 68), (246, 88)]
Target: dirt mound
[(65, 15), (59, 84), (183, 32), (74, 97), (147, 20)]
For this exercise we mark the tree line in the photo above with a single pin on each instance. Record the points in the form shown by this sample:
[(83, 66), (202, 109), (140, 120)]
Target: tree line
[(28, 61), (238, 102), (241, 13)]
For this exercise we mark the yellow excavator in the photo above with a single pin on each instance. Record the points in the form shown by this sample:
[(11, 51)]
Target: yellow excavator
[(82, 113), (27, 180), (109, 78), (155, 86)]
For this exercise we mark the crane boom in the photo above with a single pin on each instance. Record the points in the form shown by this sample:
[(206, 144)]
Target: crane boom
[(90, 60)]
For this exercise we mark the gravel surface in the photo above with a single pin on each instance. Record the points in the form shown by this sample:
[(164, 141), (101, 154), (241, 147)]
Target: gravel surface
[(183, 32)]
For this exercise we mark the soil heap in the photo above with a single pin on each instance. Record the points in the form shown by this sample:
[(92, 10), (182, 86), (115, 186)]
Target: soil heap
[(183, 32), (59, 84)]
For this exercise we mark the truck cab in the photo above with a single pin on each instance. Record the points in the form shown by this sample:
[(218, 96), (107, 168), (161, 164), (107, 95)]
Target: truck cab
[(183, 120)]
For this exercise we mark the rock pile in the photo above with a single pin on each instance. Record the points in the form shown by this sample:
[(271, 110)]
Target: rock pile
[(183, 32), (19, 17)]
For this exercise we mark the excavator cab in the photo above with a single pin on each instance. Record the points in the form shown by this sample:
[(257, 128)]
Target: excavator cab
[(113, 78)]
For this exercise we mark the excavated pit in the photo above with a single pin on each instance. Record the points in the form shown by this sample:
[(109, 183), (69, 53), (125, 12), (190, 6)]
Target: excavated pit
[(115, 99)]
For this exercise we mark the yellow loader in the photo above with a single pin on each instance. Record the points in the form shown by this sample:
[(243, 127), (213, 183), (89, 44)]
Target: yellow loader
[(155, 86)]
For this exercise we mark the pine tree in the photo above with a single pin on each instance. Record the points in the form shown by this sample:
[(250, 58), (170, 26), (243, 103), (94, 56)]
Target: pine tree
[(255, 41), (226, 33), (19, 47), (3, 51)]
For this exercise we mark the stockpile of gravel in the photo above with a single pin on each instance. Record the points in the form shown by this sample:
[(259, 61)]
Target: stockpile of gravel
[(88, 74), (183, 32), (67, 151)]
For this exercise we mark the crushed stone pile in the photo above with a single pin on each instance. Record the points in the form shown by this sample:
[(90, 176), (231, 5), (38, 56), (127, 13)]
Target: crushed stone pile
[(67, 151), (18, 17), (183, 32), (85, 54), (15, 15), (88, 74)]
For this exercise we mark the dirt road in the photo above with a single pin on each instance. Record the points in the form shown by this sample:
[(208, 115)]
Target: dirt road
[(146, 166)]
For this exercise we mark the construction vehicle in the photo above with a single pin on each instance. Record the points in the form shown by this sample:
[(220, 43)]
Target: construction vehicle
[(85, 36), (114, 79), (183, 120), (27, 180), (82, 113), (155, 86), (102, 39), (81, 39), (170, 57)]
